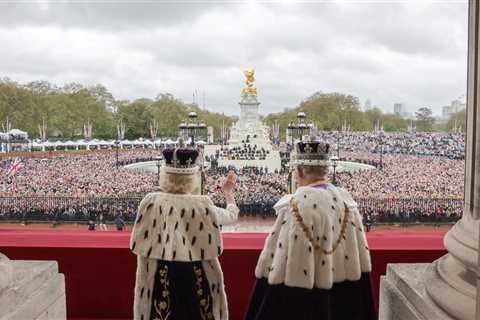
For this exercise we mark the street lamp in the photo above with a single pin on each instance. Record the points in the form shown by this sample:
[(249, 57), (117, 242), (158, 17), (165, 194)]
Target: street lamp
[(159, 164), (296, 130), (334, 160), (338, 144), (380, 140), (192, 129), (116, 152)]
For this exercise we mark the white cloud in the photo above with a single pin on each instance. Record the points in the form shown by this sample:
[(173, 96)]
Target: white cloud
[(404, 52)]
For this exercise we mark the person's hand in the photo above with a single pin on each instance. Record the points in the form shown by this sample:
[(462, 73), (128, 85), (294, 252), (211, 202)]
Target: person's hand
[(229, 183)]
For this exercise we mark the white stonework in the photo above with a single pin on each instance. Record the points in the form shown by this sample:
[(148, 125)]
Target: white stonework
[(447, 284), (249, 123), (452, 278), (451, 282), (403, 295), (249, 126), (6, 273), (35, 291)]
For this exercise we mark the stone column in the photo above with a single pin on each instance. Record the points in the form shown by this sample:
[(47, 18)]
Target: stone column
[(447, 288), (472, 147), (5, 272), (453, 278)]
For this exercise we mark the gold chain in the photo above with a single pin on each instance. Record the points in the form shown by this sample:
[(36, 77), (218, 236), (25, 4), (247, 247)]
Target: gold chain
[(307, 232), (318, 182)]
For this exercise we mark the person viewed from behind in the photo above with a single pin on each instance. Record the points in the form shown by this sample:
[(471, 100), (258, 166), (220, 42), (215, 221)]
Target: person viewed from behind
[(101, 223), (119, 223), (177, 239), (316, 262), (91, 225)]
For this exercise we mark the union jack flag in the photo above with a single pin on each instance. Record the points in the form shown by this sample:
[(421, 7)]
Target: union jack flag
[(13, 168)]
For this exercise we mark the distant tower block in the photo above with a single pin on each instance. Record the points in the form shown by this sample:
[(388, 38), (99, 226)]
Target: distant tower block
[(368, 105)]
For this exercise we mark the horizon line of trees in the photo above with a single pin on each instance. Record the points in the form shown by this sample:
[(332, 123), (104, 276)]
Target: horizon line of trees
[(65, 110), (335, 111)]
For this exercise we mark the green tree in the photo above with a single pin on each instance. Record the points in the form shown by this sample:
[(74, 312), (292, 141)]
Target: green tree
[(457, 121), (329, 111), (425, 119), (65, 109)]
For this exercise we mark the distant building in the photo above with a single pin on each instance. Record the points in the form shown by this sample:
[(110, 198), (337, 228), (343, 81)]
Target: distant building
[(458, 105), (368, 105), (399, 109), (454, 107), (446, 112), (210, 136)]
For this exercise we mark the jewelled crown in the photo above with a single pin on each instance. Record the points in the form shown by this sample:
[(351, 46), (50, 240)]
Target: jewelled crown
[(181, 160), (311, 152)]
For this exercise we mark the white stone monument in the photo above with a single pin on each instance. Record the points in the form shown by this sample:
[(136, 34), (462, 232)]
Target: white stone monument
[(32, 290), (249, 129), (446, 288)]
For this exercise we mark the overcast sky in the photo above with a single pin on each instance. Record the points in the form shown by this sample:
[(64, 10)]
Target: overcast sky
[(413, 52)]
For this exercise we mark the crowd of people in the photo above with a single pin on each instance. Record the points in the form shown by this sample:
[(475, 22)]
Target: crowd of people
[(92, 174), (257, 189), (405, 176), (68, 209), (449, 145), (72, 187), (246, 151)]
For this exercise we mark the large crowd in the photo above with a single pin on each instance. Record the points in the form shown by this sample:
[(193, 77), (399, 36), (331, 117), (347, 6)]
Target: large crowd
[(405, 176), (257, 189), (449, 145), (246, 151), (92, 174), (418, 180)]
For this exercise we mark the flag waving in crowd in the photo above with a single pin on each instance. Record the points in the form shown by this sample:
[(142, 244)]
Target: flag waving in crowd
[(13, 168)]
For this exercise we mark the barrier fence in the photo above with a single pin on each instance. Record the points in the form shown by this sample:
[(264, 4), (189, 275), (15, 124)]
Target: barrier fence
[(83, 209)]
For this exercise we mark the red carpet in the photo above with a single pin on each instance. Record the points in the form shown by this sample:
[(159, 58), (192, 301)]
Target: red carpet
[(99, 268)]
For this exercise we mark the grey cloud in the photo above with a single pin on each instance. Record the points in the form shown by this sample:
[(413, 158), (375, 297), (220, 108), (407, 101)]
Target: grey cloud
[(107, 15), (387, 53)]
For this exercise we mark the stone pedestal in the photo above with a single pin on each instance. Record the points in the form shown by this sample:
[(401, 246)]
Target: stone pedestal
[(403, 294), (451, 280), (249, 109), (249, 122), (444, 289), (35, 291), (249, 125)]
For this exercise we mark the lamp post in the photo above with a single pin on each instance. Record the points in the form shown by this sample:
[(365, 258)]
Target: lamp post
[(338, 144), (116, 152), (334, 160), (380, 140), (159, 164), (192, 128), (296, 130)]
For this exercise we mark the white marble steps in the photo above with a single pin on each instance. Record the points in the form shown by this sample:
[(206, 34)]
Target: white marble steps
[(37, 292)]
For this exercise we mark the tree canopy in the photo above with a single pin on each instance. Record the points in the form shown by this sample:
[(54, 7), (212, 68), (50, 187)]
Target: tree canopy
[(332, 111), (457, 121), (66, 109), (425, 119)]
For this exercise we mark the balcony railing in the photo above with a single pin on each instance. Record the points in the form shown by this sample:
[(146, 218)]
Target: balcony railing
[(82, 209)]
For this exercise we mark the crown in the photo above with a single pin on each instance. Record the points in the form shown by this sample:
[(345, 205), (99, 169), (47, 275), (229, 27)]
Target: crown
[(181, 160), (311, 152)]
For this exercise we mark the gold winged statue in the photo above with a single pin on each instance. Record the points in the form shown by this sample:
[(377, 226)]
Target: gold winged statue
[(249, 89)]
